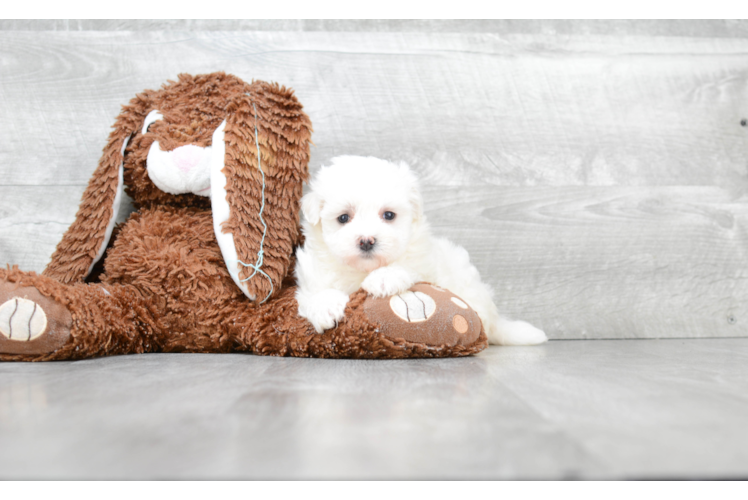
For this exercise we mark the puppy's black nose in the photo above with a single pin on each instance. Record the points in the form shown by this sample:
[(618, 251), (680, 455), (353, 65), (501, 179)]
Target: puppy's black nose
[(366, 244)]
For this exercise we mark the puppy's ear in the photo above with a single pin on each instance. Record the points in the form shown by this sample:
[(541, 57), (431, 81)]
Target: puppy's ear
[(416, 203), (311, 205), (256, 198), (414, 193), (85, 241)]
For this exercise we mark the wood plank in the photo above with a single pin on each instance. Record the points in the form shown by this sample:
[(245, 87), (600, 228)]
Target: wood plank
[(703, 28), (563, 410), (607, 262), (649, 408), (462, 108), (33, 220), (585, 262), (238, 416)]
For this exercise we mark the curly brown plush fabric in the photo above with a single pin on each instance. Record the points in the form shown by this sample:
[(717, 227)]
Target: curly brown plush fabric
[(193, 107), (162, 284)]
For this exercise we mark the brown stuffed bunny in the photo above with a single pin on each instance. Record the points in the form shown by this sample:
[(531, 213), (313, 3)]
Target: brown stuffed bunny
[(215, 168)]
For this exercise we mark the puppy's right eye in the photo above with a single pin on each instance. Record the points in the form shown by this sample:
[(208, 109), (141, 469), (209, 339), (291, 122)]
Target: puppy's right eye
[(343, 218)]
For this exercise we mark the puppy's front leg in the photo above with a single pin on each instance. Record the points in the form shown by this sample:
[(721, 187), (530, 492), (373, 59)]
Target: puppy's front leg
[(323, 308), (388, 280), (319, 302)]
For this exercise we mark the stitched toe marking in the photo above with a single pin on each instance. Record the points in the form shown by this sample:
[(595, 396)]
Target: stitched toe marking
[(22, 319)]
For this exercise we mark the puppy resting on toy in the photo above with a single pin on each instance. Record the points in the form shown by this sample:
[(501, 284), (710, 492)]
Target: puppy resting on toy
[(188, 272), (365, 228)]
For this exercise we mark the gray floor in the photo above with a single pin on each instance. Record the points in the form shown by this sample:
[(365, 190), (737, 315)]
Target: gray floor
[(569, 409)]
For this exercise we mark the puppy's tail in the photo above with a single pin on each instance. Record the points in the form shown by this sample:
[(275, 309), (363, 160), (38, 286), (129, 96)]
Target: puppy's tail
[(507, 332)]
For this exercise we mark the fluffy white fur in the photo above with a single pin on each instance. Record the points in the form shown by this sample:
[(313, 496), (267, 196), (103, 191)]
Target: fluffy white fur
[(335, 262)]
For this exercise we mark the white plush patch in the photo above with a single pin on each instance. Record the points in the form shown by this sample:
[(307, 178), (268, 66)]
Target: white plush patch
[(413, 307), (185, 169), (115, 208), (221, 209), (22, 319), (153, 116), (459, 303)]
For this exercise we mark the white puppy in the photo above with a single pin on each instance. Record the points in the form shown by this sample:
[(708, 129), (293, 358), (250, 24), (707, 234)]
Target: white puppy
[(365, 228)]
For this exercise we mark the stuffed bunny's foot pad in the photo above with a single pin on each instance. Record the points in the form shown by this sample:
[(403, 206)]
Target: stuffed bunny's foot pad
[(426, 314), (31, 323)]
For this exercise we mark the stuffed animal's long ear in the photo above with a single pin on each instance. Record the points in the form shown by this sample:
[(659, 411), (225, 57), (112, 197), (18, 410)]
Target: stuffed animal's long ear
[(255, 197), (86, 239)]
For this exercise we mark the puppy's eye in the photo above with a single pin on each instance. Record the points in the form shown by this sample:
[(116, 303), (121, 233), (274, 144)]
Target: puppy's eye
[(389, 215), (343, 218)]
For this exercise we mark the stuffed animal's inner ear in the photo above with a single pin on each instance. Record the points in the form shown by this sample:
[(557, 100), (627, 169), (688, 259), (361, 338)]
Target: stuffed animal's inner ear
[(153, 116), (311, 206), (116, 203), (221, 208)]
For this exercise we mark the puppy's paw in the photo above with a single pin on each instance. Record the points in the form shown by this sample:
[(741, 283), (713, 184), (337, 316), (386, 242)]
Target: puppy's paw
[(387, 281), (323, 309), (515, 333)]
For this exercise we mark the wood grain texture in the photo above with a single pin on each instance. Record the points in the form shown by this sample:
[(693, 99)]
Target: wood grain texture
[(463, 109), (637, 409), (702, 28), (33, 220), (596, 180), (647, 409), (584, 262), (607, 262)]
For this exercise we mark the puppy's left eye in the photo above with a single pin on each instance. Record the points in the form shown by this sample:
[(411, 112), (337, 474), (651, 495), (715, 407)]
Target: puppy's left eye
[(343, 218), (388, 215)]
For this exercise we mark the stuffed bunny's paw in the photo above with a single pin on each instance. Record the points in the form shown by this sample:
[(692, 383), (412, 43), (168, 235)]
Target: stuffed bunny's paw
[(31, 323)]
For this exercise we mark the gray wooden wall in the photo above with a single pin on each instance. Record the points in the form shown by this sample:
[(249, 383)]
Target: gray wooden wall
[(596, 171)]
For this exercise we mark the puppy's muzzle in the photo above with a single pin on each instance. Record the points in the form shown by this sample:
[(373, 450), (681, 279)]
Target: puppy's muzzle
[(366, 244)]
